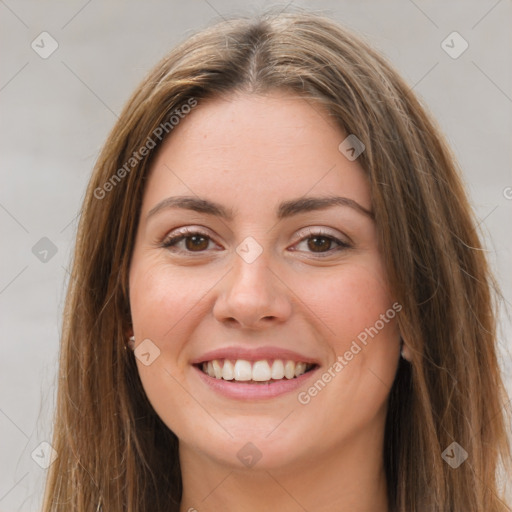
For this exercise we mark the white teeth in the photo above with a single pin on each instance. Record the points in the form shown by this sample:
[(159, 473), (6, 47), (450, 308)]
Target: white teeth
[(243, 370), (259, 371), (217, 369), (278, 369), (300, 368), (289, 369), (227, 371)]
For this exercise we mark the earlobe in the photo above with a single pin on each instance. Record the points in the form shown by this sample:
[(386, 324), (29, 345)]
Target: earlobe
[(129, 339), (405, 351)]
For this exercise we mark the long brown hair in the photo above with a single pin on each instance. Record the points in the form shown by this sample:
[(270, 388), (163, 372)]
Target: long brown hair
[(114, 452)]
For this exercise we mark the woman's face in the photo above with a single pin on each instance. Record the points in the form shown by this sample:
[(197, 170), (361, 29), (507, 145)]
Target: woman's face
[(264, 284)]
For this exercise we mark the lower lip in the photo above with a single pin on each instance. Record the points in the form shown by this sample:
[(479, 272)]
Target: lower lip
[(244, 391)]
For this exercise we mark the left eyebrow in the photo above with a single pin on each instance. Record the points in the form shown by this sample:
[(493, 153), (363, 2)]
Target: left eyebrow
[(286, 209), (309, 204)]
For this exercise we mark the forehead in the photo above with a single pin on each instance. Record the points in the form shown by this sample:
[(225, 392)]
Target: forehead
[(251, 151)]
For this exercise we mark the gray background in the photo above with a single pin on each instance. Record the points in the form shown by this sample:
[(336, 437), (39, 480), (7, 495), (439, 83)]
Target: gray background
[(57, 112)]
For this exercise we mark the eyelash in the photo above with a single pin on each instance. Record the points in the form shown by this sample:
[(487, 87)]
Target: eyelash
[(185, 233)]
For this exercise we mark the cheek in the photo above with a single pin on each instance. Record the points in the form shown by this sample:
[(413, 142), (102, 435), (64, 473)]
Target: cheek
[(349, 300), (163, 304), (364, 348), (359, 326), (161, 299)]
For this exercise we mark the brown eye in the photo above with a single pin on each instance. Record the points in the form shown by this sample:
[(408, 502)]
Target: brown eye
[(320, 243), (194, 241)]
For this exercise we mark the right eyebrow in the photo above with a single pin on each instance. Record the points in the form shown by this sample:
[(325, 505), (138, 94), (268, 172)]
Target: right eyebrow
[(192, 203)]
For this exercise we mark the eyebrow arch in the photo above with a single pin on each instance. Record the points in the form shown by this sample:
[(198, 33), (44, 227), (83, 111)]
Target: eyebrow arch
[(285, 210)]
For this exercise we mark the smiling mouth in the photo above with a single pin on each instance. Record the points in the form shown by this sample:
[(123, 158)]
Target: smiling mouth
[(264, 371)]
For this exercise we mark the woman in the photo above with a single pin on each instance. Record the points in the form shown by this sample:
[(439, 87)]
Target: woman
[(279, 299)]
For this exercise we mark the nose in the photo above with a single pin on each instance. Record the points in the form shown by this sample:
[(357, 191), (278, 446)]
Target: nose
[(252, 296)]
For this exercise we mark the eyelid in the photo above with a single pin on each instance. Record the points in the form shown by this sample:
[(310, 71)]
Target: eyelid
[(312, 230), (187, 231)]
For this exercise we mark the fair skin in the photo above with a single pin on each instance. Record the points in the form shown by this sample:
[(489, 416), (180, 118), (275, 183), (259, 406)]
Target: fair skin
[(249, 153)]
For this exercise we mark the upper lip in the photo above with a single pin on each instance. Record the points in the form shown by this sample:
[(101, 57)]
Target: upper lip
[(254, 354)]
